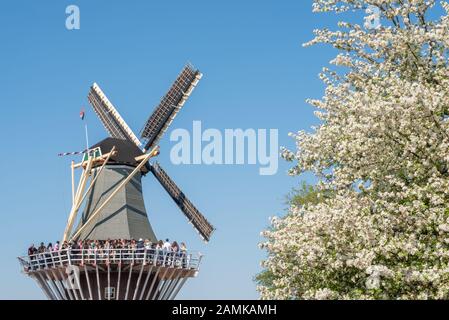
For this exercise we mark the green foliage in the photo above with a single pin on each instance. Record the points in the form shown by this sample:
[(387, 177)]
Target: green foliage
[(265, 278), (306, 194)]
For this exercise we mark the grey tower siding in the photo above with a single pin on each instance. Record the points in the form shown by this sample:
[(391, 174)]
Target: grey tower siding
[(124, 217)]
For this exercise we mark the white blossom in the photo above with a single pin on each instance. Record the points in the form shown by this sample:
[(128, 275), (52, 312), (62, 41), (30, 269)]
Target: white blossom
[(382, 149)]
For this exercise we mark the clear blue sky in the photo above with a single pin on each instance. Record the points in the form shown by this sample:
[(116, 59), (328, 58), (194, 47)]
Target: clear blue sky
[(256, 75)]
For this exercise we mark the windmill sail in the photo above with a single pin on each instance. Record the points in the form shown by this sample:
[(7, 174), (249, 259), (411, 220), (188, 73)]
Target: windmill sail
[(199, 222), (170, 105), (110, 117)]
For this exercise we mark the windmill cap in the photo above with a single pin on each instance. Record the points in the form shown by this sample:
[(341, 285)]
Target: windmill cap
[(126, 152)]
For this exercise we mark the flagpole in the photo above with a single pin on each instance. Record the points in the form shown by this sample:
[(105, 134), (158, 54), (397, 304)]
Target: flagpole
[(87, 136), (83, 118)]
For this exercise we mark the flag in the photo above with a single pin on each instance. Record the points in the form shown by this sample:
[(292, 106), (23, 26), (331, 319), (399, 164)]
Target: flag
[(82, 114), (63, 154)]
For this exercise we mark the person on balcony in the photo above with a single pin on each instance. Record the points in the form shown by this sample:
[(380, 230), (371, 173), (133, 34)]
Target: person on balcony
[(160, 251), (41, 248), (183, 250), (175, 253), (74, 250), (167, 245), (32, 251), (140, 248), (49, 253)]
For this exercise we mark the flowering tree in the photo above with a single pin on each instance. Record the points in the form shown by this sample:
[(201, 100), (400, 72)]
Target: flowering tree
[(382, 150)]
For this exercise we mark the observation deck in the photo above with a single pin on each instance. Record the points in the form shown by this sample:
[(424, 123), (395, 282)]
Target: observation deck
[(111, 274)]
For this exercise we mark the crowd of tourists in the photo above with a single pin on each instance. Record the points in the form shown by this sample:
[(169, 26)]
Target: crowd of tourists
[(161, 252)]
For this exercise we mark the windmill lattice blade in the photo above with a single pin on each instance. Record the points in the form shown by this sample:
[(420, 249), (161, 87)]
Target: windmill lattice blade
[(170, 105), (110, 117), (199, 222)]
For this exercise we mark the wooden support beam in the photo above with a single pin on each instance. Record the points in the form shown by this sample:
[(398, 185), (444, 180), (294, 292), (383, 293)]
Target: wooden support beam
[(140, 158), (153, 153)]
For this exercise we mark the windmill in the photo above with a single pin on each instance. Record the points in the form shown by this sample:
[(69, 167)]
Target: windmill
[(110, 198), (127, 152)]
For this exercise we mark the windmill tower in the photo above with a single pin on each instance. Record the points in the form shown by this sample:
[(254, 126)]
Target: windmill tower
[(108, 204)]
